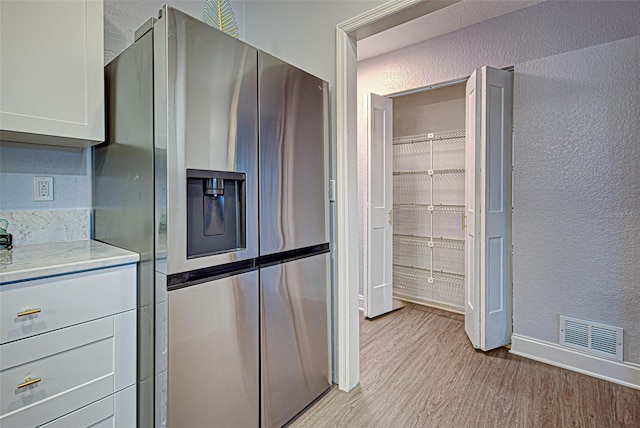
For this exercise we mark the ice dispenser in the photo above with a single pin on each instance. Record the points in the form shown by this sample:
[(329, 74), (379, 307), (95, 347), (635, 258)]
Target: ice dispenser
[(215, 212)]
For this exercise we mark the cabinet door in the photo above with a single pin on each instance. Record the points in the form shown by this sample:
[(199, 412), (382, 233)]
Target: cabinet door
[(51, 70)]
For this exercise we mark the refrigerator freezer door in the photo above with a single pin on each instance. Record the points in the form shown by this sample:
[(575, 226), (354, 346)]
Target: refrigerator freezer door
[(208, 114), (295, 347), (213, 353), (293, 157)]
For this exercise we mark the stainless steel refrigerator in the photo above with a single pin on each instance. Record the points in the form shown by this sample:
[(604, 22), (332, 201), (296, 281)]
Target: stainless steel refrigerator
[(215, 170)]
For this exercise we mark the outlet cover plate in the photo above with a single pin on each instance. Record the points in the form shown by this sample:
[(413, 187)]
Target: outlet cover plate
[(42, 189)]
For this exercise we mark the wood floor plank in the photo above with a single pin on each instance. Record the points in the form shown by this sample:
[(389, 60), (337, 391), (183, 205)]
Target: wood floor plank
[(418, 369)]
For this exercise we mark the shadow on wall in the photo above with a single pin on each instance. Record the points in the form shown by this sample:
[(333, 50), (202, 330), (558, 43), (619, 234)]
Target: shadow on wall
[(19, 158)]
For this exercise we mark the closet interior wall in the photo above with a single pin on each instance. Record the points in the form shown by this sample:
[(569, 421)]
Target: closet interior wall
[(428, 196)]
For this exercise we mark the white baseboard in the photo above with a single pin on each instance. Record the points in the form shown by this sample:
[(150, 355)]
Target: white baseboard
[(361, 302), (429, 303), (626, 374)]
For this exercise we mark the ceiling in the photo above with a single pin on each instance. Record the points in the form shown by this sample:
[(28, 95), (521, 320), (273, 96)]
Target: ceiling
[(442, 21)]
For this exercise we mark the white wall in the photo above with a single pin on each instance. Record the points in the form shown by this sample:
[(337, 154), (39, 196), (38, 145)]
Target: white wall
[(576, 149), (70, 169), (123, 17), (300, 32)]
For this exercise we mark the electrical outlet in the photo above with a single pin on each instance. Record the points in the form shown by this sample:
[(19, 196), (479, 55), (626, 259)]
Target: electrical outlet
[(43, 188)]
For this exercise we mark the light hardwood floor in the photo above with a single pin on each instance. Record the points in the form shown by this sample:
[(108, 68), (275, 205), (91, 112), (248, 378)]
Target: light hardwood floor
[(419, 370)]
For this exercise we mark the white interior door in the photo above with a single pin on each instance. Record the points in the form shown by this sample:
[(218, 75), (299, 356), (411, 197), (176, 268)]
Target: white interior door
[(488, 202), (471, 194), (378, 289)]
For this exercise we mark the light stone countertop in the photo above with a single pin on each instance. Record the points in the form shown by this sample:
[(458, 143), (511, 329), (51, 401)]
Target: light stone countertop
[(27, 262)]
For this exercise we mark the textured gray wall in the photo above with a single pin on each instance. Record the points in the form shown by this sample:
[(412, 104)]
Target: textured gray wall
[(575, 146), (577, 191)]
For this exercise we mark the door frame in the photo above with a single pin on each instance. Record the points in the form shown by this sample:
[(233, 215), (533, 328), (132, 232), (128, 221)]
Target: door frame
[(376, 20)]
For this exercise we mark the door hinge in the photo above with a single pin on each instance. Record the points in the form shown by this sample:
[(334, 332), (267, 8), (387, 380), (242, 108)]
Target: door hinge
[(332, 190)]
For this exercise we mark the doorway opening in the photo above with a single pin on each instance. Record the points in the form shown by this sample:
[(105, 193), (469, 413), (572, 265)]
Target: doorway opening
[(428, 192), (348, 35), (429, 197), (451, 159)]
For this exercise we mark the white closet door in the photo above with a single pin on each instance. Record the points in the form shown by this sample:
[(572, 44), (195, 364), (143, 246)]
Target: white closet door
[(488, 201), (378, 289), (472, 194)]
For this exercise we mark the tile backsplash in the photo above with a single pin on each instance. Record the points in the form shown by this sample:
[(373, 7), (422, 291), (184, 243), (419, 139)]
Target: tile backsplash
[(43, 226)]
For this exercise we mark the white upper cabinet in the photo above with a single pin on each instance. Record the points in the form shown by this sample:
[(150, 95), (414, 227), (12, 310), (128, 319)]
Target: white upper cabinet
[(51, 72)]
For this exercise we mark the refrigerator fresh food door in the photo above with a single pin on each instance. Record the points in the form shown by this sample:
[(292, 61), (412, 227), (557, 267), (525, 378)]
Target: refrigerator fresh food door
[(207, 118), (213, 353), (295, 347), (293, 157)]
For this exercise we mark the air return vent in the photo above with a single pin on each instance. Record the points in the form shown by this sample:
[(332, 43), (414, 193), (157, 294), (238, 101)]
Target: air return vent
[(594, 338)]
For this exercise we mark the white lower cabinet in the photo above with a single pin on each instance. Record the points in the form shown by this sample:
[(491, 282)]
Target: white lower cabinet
[(77, 375)]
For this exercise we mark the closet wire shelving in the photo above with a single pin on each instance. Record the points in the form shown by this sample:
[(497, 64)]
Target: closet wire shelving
[(428, 239)]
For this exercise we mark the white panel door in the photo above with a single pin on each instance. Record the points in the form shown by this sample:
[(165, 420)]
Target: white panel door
[(378, 289), (472, 194), (488, 206), (495, 250)]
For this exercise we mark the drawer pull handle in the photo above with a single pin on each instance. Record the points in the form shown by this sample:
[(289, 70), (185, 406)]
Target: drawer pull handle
[(28, 381), (28, 311)]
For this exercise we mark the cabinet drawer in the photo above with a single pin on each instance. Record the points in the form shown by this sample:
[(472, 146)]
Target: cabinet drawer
[(68, 369), (33, 307), (114, 411), (94, 414)]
